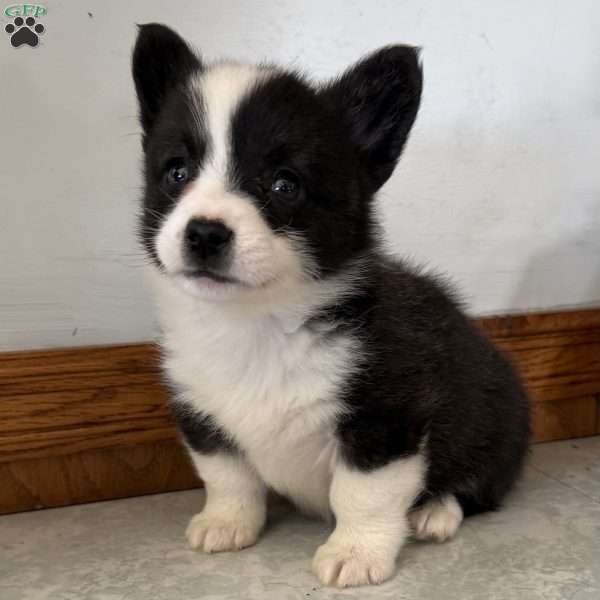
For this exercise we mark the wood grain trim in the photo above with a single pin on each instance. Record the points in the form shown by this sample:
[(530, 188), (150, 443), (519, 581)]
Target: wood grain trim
[(543, 322), (94, 475), (68, 416), (59, 402)]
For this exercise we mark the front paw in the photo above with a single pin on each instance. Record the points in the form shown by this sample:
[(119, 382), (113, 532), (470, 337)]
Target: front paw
[(343, 565), (212, 533)]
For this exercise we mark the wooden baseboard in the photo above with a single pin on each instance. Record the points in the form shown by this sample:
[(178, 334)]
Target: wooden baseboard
[(91, 475), (85, 424), (558, 355)]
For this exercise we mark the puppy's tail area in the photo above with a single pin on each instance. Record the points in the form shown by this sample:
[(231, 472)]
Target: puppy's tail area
[(472, 506)]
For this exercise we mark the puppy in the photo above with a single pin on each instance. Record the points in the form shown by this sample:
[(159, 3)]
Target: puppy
[(302, 357)]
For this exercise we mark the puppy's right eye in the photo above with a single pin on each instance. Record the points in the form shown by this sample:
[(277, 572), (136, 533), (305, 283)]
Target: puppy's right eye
[(177, 172), (286, 185)]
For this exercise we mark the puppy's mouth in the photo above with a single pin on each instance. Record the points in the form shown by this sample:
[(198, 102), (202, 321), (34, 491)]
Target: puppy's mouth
[(208, 275)]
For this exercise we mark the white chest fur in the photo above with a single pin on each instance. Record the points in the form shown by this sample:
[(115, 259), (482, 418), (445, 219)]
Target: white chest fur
[(274, 388)]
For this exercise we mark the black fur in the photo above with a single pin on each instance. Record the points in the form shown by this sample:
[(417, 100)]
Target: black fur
[(429, 377), (161, 62), (430, 372), (199, 430), (378, 100), (285, 123)]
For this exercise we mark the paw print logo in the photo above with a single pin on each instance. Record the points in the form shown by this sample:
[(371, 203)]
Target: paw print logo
[(24, 32)]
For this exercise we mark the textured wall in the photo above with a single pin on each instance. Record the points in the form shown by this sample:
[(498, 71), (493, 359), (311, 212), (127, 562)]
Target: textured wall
[(500, 184)]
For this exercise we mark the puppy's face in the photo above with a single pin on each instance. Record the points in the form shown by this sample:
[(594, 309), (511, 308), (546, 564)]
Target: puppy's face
[(256, 179)]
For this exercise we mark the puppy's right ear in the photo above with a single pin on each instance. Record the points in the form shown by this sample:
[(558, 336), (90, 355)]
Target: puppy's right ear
[(378, 99), (161, 61)]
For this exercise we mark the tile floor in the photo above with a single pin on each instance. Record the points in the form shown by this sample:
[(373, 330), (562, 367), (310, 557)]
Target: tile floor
[(545, 544)]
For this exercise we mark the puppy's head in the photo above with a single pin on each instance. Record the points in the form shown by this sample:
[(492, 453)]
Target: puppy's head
[(254, 177)]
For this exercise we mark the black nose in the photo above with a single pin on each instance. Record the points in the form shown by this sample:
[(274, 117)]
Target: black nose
[(207, 239)]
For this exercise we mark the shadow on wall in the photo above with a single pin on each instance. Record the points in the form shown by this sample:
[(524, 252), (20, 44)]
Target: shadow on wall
[(569, 270)]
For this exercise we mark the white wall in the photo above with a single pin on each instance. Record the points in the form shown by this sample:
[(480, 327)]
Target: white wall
[(500, 184)]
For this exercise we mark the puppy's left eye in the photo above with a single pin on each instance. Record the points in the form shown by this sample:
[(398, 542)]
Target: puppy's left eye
[(286, 184), (177, 172)]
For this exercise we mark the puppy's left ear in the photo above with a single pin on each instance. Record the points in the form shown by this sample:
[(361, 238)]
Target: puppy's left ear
[(161, 61), (378, 99)]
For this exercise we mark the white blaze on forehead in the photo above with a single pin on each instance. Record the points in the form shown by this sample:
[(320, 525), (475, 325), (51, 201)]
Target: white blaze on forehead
[(220, 90)]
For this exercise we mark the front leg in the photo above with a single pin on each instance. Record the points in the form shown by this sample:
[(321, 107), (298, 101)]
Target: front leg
[(235, 509), (370, 508)]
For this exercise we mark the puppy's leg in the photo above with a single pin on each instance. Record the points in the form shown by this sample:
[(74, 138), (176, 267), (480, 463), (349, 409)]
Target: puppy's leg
[(371, 509), (235, 509)]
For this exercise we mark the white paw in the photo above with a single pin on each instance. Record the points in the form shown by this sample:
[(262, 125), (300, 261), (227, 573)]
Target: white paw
[(346, 566), (437, 519), (217, 534)]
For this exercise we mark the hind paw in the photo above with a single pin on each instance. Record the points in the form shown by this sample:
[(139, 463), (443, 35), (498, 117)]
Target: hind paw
[(437, 519)]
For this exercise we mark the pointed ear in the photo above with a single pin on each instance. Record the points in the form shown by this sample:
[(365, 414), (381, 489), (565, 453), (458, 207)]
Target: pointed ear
[(378, 99), (161, 61)]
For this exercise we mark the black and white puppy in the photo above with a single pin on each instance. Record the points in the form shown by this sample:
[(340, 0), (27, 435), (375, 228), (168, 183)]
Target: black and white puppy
[(303, 358)]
